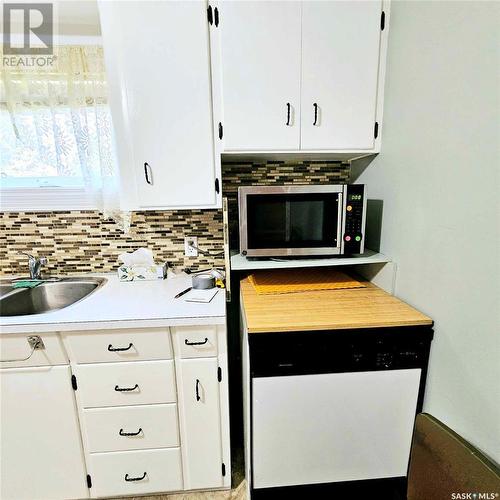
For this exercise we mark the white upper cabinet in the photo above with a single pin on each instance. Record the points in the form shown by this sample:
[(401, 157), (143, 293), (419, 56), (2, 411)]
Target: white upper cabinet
[(260, 73), (323, 60), (158, 67), (340, 61)]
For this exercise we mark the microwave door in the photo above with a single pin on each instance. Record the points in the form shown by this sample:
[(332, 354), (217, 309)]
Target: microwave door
[(288, 224)]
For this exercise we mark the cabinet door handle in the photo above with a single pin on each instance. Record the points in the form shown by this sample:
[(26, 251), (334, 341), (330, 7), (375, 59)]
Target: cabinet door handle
[(128, 478), (147, 173), (197, 390), (130, 433), (186, 341), (118, 349), (126, 389), (35, 342), (315, 114), (288, 111)]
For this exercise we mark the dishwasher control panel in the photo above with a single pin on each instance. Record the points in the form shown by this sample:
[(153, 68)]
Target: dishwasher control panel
[(296, 353)]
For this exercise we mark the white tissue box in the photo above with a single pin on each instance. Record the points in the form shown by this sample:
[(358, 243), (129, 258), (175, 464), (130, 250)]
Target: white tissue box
[(138, 273)]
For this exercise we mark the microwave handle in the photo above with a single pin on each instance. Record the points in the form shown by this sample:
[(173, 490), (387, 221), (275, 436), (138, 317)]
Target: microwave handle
[(340, 218)]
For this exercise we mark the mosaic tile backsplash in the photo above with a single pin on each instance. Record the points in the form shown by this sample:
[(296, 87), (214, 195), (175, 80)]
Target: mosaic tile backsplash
[(84, 242)]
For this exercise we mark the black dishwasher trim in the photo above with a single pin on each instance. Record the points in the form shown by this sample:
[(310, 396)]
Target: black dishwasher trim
[(392, 488), (339, 351)]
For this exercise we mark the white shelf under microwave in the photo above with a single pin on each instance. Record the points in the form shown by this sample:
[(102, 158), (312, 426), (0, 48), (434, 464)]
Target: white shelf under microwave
[(241, 263)]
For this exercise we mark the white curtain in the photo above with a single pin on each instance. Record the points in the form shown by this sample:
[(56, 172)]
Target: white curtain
[(60, 125)]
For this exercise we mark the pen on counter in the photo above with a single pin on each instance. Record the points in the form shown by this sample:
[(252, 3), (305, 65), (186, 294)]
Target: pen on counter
[(180, 294)]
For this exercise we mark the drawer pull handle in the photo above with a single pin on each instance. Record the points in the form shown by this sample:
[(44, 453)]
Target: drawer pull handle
[(186, 341), (127, 478), (197, 390), (126, 389), (130, 433), (118, 349)]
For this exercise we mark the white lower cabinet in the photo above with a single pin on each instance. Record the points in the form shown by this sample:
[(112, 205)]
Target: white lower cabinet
[(196, 341), (79, 418), (122, 384), (131, 427), (139, 344), (155, 420), (200, 422), (41, 452), (136, 472)]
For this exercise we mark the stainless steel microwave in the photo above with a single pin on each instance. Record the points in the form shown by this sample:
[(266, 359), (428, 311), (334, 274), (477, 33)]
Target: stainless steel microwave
[(277, 221)]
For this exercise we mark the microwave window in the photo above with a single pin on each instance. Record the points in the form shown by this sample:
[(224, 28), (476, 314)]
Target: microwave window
[(292, 220)]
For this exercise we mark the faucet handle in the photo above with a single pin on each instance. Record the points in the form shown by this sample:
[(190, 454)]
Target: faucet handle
[(27, 254), (41, 260)]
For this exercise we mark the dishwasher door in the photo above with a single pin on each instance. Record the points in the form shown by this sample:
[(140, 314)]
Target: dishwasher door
[(323, 428)]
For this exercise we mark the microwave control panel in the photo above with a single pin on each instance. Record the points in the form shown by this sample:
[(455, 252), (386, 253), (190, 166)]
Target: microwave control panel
[(354, 210)]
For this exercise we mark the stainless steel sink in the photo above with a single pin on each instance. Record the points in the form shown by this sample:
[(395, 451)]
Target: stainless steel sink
[(49, 296)]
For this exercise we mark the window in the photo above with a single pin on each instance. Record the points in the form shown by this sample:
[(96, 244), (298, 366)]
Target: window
[(56, 138)]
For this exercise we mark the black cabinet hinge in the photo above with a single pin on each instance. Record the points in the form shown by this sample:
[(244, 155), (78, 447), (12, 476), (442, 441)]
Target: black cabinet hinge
[(73, 383), (382, 21), (210, 15), (216, 17), (217, 186), (223, 469), (89, 481), (221, 130), (219, 374), (375, 130)]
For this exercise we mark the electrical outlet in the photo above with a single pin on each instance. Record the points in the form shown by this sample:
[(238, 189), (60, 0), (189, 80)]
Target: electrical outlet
[(189, 251)]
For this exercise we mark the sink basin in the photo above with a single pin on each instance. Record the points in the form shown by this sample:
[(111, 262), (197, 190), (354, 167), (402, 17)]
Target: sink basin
[(46, 297)]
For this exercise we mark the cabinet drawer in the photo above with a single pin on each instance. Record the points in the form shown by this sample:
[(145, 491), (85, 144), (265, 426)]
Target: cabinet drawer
[(119, 345), (153, 471), (122, 384), (195, 341), (131, 428), (16, 347)]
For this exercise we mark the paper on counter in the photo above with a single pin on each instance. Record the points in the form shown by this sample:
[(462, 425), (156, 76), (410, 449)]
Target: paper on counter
[(201, 296)]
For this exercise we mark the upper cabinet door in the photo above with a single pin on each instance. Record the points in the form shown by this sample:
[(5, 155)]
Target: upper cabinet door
[(260, 74), (340, 62), (158, 65)]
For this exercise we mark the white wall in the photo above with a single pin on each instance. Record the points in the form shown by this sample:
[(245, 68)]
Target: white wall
[(438, 175)]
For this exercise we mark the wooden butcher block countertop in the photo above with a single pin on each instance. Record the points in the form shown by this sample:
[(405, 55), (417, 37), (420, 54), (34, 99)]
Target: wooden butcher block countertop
[(368, 307)]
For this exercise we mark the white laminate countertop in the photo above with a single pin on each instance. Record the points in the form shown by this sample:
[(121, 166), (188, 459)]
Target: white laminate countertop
[(137, 304)]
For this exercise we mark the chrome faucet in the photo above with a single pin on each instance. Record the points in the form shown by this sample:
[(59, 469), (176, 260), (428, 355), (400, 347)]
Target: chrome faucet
[(34, 265)]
